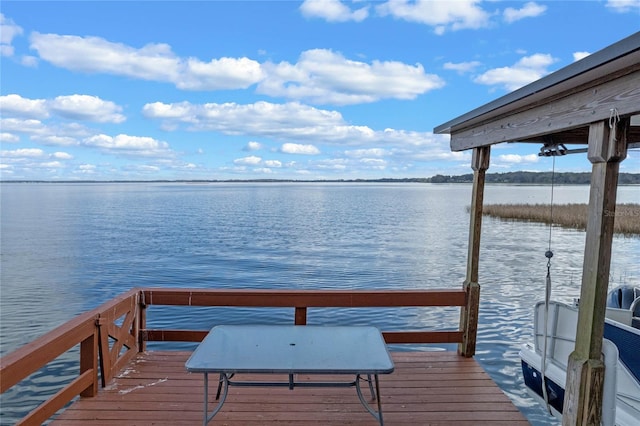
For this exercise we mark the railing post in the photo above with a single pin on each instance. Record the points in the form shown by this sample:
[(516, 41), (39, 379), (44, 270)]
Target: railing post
[(141, 322), (301, 315), (89, 361), (469, 313), (585, 369)]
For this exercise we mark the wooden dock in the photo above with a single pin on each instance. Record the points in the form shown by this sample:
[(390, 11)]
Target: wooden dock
[(120, 382), (426, 388)]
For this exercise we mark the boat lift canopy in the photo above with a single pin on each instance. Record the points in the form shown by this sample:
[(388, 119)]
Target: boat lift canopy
[(593, 102)]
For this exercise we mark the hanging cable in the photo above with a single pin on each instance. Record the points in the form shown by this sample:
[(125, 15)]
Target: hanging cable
[(547, 295)]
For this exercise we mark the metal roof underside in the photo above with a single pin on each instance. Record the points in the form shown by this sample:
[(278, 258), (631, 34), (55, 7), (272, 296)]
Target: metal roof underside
[(559, 107)]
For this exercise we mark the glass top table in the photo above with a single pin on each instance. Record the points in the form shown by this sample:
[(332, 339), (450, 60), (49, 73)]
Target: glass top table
[(291, 350)]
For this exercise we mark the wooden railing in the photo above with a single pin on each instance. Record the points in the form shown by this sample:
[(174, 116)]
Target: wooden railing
[(301, 300), (110, 335), (102, 342)]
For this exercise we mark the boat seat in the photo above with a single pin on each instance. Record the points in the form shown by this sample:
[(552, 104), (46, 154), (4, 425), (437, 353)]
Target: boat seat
[(625, 297), (620, 296), (623, 305)]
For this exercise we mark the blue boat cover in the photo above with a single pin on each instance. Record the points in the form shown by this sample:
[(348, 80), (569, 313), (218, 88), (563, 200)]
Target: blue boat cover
[(628, 344)]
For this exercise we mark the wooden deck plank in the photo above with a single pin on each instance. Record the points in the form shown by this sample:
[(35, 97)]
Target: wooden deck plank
[(426, 388)]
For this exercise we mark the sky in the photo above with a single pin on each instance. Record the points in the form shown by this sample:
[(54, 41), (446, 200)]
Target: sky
[(303, 90)]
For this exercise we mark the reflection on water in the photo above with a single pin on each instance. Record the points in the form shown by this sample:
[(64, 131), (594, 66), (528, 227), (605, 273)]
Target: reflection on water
[(67, 248)]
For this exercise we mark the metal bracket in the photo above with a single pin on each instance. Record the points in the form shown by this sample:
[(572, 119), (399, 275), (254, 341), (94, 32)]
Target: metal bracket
[(555, 150)]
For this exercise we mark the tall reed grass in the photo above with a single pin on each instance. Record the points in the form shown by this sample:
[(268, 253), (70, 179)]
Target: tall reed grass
[(626, 221)]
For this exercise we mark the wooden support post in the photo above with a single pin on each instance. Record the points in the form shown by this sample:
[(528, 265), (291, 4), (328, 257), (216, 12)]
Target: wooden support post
[(89, 361), (585, 370), (469, 313)]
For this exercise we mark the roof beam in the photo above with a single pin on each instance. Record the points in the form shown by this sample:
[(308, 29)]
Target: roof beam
[(575, 109)]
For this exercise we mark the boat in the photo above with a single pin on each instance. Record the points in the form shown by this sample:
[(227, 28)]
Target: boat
[(545, 376)]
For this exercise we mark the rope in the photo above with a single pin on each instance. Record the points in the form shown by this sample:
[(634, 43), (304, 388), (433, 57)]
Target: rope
[(547, 296), (549, 253), (614, 119)]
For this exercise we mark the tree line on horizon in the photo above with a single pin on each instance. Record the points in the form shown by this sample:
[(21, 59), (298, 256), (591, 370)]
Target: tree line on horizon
[(533, 178), (564, 178)]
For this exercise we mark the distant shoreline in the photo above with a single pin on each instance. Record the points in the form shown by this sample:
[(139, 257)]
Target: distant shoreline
[(521, 178)]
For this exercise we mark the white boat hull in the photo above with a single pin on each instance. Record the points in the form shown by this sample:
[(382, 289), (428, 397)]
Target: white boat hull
[(621, 355)]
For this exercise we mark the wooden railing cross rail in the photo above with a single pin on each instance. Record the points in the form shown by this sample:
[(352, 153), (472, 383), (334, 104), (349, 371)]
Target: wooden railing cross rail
[(124, 336)]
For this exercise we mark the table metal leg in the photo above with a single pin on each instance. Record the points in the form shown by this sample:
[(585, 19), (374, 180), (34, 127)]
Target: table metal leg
[(206, 398), (373, 395), (223, 385), (378, 398), (374, 413)]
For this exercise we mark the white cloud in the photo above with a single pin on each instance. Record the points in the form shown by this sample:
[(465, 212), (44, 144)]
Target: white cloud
[(76, 107), (223, 73), (85, 107), (287, 122), (55, 140), (62, 156), (273, 163), (248, 161), (253, 146), (155, 62), (529, 10), (319, 76), (518, 159), (8, 30), (51, 165), (9, 138), (129, 145), (580, 55), (87, 169), (333, 11), (442, 15), (23, 152), (369, 152), (260, 118), (6, 50), (31, 159), (295, 148), (17, 105), (624, 6), (94, 54), (526, 70), (336, 164), (17, 125), (58, 134), (29, 61), (374, 163), (142, 168), (387, 149), (323, 76), (263, 170), (462, 67)]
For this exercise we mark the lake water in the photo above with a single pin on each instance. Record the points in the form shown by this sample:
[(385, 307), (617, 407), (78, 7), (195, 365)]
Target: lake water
[(67, 248)]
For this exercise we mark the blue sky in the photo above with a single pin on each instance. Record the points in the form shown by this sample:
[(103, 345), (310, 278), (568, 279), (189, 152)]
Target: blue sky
[(320, 89)]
